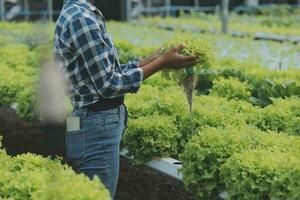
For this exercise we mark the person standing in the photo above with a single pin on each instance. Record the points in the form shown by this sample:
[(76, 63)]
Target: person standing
[(97, 84)]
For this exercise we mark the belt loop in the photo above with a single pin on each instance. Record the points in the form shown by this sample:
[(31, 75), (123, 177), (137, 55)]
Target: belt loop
[(119, 112), (126, 115), (85, 112)]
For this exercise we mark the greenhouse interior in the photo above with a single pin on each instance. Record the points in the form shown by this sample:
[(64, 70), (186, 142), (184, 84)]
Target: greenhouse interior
[(150, 99)]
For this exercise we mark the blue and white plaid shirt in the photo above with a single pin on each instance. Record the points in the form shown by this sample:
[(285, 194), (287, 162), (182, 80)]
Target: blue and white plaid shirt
[(88, 57)]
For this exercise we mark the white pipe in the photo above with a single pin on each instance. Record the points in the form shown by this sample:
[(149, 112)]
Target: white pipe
[(225, 8), (50, 10), (148, 5), (2, 10), (128, 10), (196, 3), (26, 10), (168, 7)]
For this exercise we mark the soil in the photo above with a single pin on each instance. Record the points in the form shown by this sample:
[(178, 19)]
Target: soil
[(21, 137), (143, 183)]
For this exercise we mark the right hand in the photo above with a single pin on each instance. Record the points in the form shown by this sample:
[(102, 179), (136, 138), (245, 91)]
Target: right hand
[(172, 60)]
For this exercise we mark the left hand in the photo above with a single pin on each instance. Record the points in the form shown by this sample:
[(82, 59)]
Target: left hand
[(150, 58)]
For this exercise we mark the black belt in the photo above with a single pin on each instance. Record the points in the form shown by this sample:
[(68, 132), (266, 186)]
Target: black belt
[(105, 104)]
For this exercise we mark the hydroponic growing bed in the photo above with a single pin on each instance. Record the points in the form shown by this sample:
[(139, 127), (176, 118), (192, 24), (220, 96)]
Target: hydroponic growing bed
[(244, 134)]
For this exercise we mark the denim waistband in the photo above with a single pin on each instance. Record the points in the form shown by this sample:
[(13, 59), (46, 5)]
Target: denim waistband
[(83, 112)]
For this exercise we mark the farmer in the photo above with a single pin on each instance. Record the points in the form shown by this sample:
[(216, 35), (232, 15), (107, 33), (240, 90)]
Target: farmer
[(97, 84)]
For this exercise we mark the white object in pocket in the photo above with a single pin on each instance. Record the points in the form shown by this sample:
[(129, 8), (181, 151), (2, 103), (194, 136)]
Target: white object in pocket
[(73, 123)]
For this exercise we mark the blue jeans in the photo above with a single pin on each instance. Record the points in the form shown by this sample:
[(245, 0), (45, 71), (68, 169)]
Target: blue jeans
[(94, 149)]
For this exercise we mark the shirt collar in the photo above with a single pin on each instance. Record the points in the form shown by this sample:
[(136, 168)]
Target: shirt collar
[(83, 3)]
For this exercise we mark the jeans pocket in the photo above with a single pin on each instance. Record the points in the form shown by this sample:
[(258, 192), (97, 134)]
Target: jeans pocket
[(75, 144)]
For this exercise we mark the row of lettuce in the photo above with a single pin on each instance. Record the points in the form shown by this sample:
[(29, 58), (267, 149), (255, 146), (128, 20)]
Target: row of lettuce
[(266, 53), (227, 77), (230, 143), (28, 177), (214, 145), (284, 23)]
